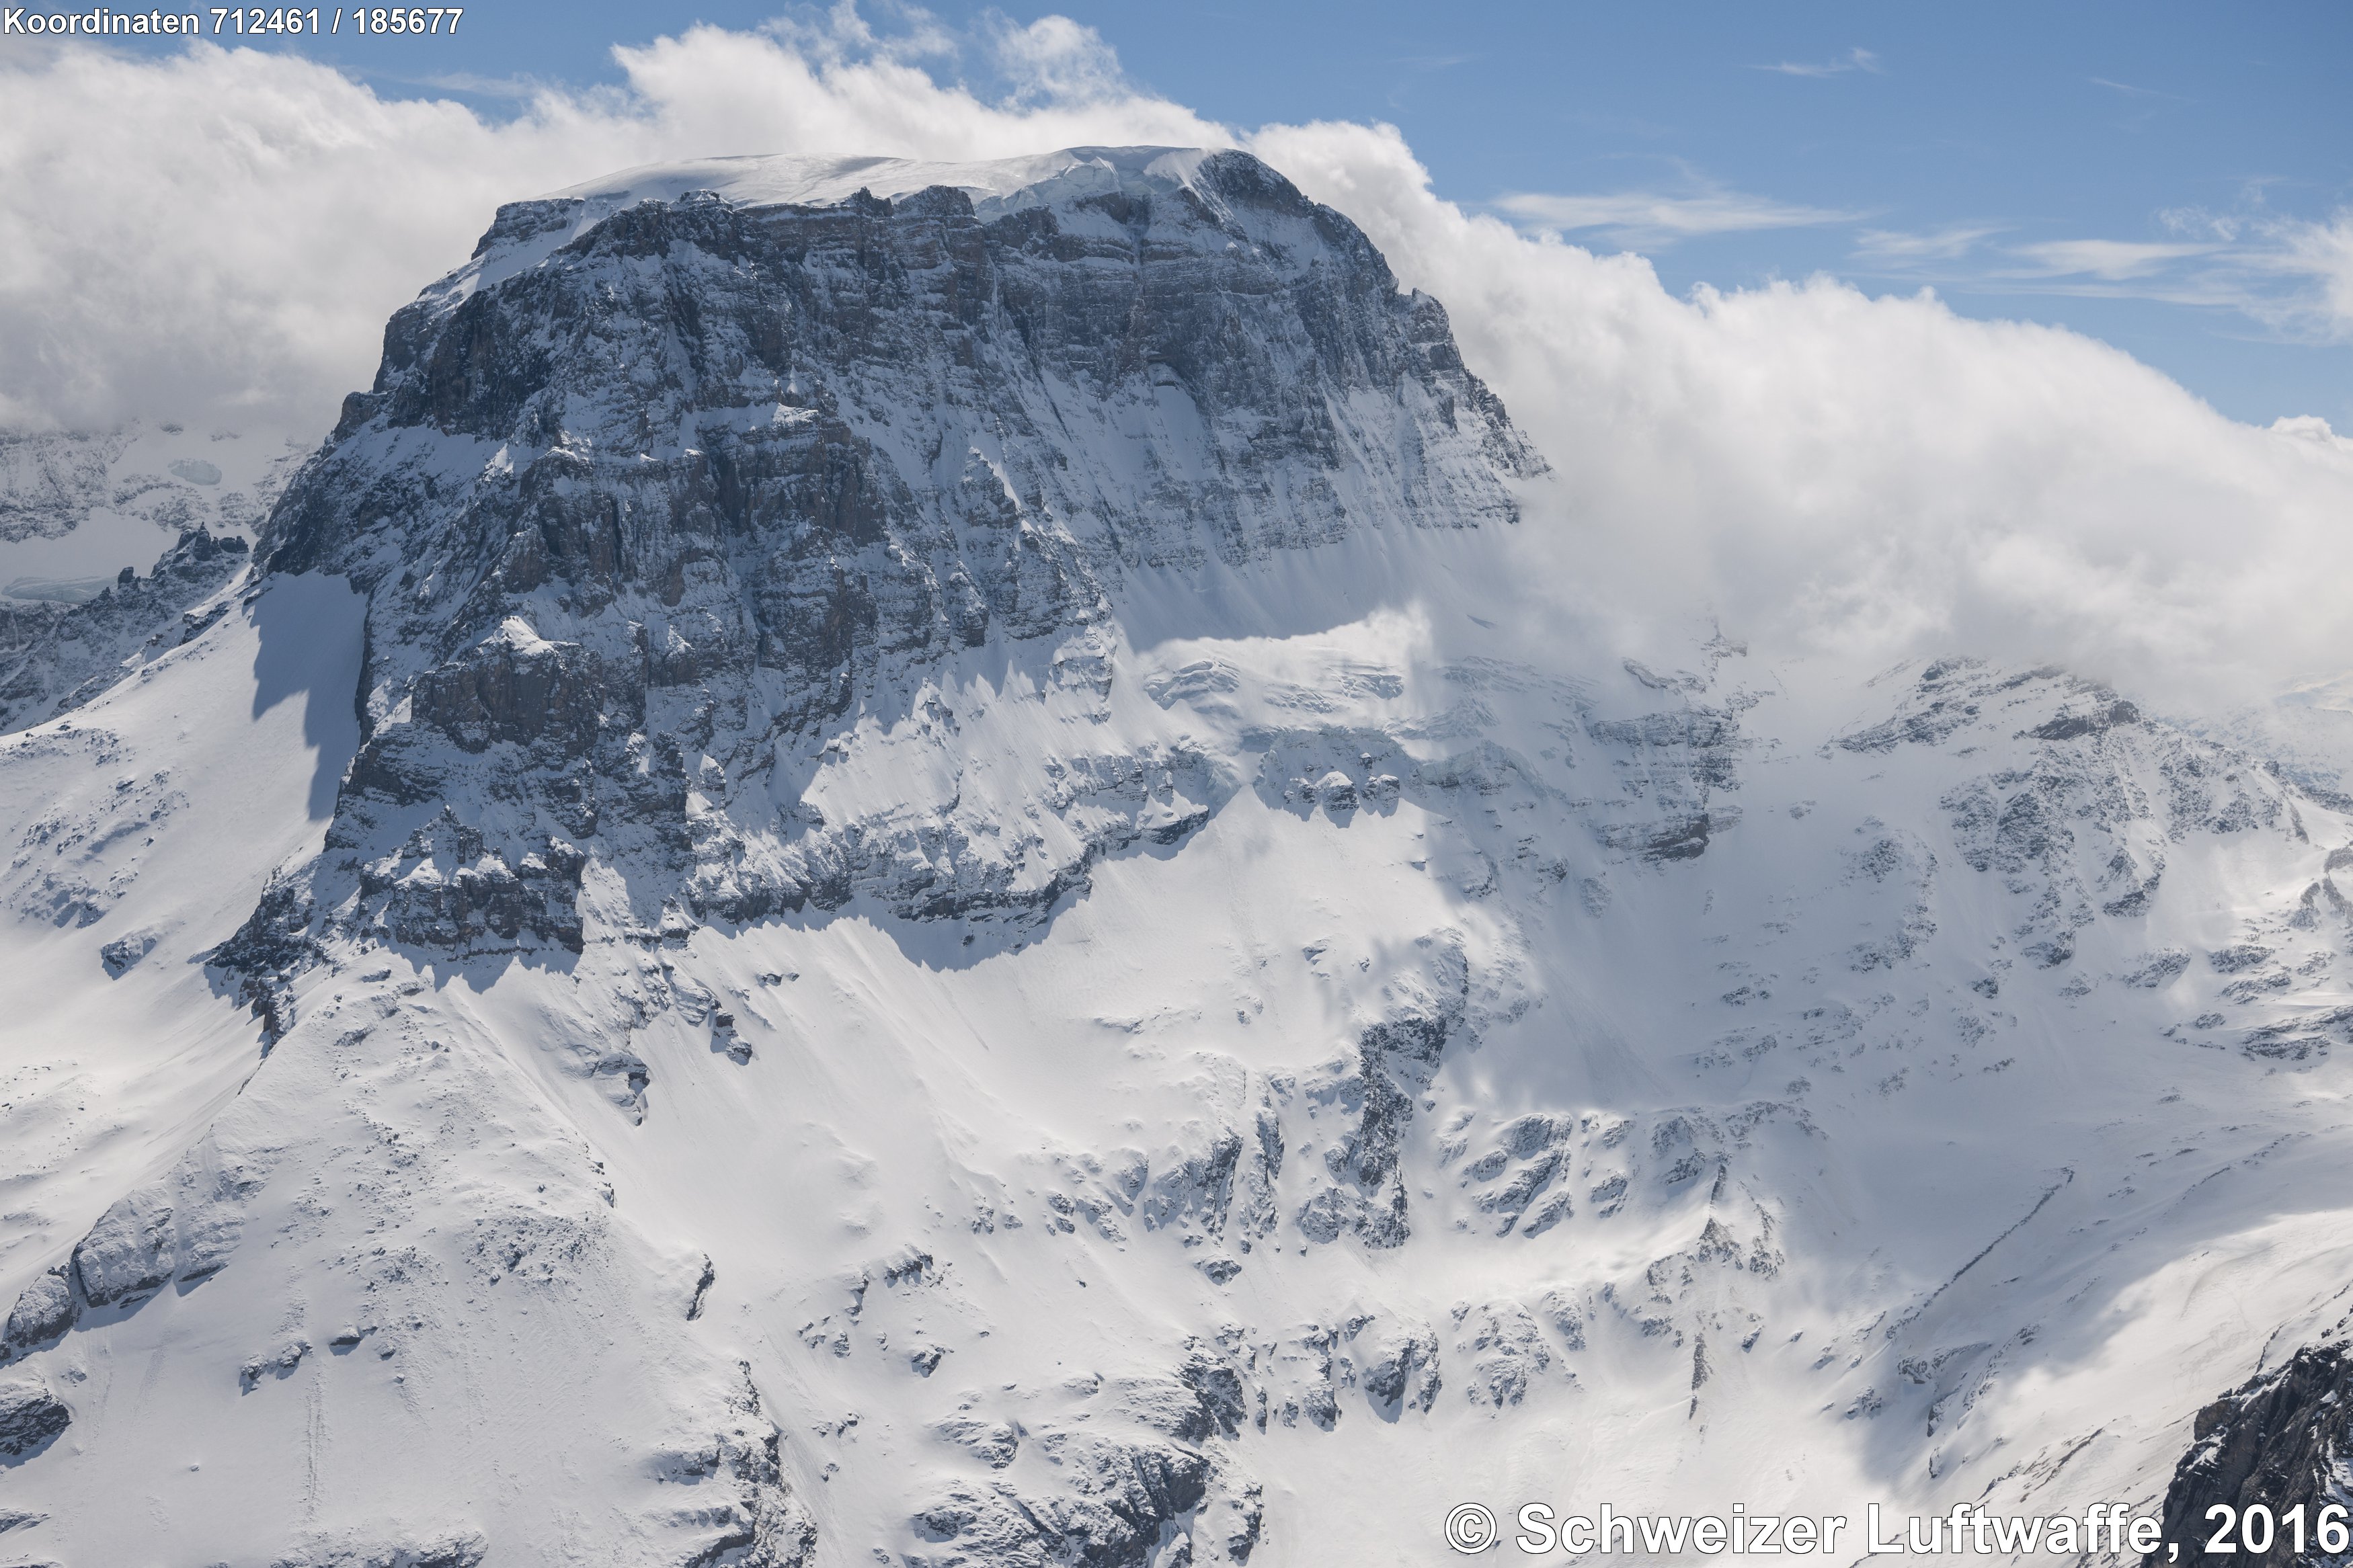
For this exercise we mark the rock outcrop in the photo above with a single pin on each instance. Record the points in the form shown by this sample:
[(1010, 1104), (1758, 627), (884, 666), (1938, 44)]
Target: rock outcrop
[(2281, 1439), (30, 1415), (63, 659)]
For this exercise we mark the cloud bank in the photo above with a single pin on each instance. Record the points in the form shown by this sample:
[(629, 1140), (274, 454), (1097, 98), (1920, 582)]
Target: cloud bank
[(1875, 479), (222, 234), (1641, 219), (228, 229)]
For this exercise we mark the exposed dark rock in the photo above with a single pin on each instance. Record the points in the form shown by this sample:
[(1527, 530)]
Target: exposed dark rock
[(274, 943), (759, 468), (280, 1364), (43, 1309), (1402, 1370), (2156, 969), (1672, 766), (1684, 840), (75, 656), (30, 1415), (23, 624), (514, 687), (444, 888), (1125, 1498), (1219, 1389), (2297, 1037), (462, 1549), (994, 1443), (1941, 705), (1395, 1063), (129, 1251), (126, 951), (2068, 726), (2082, 821), (1503, 1352), (2279, 1439), (754, 1521)]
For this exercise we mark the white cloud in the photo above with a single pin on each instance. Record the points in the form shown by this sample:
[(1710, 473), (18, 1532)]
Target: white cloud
[(2129, 91), (1870, 479), (513, 88), (1852, 60), (1056, 60), (1651, 218), (2320, 255), (2115, 260), (2293, 276), (2286, 274), (228, 229), (1948, 244), (2224, 226)]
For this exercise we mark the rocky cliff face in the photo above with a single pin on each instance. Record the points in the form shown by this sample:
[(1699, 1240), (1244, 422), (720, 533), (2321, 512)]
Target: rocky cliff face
[(656, 500), (2278, 1441)]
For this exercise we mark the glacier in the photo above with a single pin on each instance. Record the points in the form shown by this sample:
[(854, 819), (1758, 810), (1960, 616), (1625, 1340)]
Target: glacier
[(884, 862)]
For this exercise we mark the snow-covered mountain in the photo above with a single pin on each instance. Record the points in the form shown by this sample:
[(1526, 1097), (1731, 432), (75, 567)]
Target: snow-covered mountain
[(883, 864)]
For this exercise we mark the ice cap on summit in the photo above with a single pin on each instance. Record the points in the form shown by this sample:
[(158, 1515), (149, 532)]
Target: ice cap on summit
[(998, 186)]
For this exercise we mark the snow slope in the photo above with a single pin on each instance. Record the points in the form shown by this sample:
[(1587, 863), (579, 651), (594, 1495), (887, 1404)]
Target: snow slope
[(924, 904)]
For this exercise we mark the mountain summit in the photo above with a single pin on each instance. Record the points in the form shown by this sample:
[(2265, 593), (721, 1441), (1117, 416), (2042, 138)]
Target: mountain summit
[(659, 492)]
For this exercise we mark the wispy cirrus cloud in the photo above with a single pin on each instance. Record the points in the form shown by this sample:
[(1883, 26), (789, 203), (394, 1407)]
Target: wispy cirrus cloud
[(1900, 246), (2293, 276), (473, 84), (2110, 260), (2320, 257), (2129, 91), (1852, 60), (1639, 219)]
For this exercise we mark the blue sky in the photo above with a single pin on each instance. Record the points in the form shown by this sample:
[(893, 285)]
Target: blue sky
[(2150, 174)]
